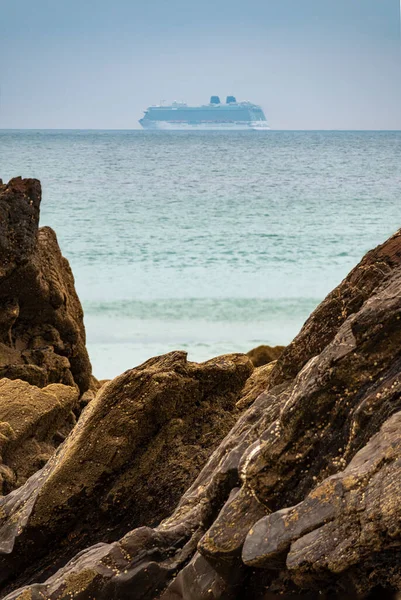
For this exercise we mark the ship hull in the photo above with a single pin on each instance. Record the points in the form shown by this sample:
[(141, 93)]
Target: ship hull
[(170, 126)]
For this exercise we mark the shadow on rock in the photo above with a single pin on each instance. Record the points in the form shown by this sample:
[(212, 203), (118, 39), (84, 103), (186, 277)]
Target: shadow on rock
[(135, 449)]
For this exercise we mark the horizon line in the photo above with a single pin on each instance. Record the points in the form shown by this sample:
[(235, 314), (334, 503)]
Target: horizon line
[(147, 132)]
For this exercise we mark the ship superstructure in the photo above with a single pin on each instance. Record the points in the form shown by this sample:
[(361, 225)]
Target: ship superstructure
[(232, 116)]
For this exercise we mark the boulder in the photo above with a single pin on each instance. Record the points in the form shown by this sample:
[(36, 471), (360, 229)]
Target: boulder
[(42, 336), (263, 355), (135, 449), (33, 422)]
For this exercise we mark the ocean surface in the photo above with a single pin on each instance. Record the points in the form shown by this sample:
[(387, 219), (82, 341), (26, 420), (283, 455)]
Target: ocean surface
[(207, 242)]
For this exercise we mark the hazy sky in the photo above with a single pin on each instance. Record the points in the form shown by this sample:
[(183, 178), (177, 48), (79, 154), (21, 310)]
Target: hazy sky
[(311, 64)]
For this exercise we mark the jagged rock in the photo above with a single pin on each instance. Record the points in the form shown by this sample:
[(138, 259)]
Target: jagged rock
[(335, 404), (347, 530), (19, 209), (33, 421), (199, 580), (141, 573), (345, 300), (329, 393), (42, 336), (263, 355), (255, 385), (135, 449)]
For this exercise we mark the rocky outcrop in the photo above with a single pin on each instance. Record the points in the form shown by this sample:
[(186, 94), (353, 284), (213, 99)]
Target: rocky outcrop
[(145, 560), (345, 300), (184, 481), (42, 336), (135, 449), (255, 385), (263, 355), (33, 422), (349, 525), (301, 496)]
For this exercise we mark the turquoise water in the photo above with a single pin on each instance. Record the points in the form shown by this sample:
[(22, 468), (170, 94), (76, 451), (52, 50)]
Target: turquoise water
[(210, 242)]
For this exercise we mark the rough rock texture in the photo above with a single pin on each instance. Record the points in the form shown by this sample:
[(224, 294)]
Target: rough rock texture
[(345, 300), (255, 385), (349, 524), (135, 449), (143, 562), (33, 422), (300, 498), (42, 336), (263, 355)]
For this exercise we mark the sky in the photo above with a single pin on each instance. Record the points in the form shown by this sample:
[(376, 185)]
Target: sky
[(311, 64)]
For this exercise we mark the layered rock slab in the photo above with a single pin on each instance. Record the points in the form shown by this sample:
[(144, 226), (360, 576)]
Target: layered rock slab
[(335, 404), (134, 450), (347, 530), (42, 335)]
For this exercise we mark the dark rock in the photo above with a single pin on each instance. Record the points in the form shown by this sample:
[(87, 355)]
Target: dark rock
[(19, 210), (348, 527), (334, 405), (224, 540), (345, 300), (263, 355), (42, 336), (200, 581)]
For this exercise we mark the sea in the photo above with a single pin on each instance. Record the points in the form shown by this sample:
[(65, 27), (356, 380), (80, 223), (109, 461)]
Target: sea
[(207, 242)]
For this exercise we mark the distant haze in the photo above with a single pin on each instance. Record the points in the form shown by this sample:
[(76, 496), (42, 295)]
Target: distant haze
[(311, 64)]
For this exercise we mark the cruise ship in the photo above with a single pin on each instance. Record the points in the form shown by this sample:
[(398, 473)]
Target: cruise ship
[(232, 116)]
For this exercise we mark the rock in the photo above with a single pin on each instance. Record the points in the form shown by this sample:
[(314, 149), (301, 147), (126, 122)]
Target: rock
[(345, 300), (19, 209), (348, 527), (223, 542), (255, 385), (334, 405), (33, 421), (199, 581), (174, 541), (90, 394), (263, 355), (42, 336), (119, 469), (300, 497)]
